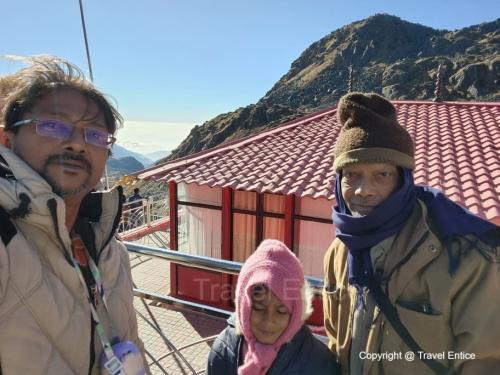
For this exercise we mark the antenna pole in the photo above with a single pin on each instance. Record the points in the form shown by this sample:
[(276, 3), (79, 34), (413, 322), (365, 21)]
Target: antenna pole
[(86, 41), (87, 50), (437, 90), (351, 79)]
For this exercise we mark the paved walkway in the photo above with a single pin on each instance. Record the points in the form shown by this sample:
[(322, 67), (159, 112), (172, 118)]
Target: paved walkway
[(180, 328)]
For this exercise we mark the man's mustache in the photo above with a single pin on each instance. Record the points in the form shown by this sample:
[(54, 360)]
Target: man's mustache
[(61, 158)]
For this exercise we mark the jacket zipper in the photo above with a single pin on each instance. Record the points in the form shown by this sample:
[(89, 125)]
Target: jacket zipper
[(52, 205)]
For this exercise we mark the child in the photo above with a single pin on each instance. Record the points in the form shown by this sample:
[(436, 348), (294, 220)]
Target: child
[(267, 334)]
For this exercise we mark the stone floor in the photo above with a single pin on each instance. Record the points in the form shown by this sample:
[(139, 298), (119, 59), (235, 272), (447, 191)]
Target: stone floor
[(165, 329)]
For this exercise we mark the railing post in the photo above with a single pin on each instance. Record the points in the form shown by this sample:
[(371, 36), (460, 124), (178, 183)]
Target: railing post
[(148, 211)]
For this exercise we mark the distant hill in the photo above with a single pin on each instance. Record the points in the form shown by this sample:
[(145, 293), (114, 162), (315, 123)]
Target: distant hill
[(156, 155), (390, 56), (125, 165), (121, 152)]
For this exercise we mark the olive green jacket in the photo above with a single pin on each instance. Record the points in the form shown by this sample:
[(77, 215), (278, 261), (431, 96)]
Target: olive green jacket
[(443, 313)]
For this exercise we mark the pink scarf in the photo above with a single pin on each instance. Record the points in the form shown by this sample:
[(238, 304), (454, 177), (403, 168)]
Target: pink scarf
[(276, 267)]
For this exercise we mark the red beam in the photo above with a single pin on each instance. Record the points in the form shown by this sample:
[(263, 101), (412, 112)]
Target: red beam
[(289, 220), (227, 223), (139, 232), (227, 242), (172, 193), (259, 218)]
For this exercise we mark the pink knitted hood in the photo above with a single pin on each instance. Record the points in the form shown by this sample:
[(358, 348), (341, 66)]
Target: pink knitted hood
[(276, 267)]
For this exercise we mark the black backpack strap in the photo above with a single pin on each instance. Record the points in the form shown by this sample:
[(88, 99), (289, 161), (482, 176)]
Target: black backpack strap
[(7, 228), (392, 315), (5, 171)]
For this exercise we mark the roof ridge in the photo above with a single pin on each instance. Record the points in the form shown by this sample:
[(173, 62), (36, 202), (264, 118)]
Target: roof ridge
[(469, 103), (189, 159), (457, 156)]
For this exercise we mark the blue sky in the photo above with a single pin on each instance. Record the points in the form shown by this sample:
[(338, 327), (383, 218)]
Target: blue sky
[(184, 62)]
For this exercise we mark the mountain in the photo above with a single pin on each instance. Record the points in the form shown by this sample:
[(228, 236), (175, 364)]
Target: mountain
[(156, 155), (125, 165), (121, 152), (388, 55)]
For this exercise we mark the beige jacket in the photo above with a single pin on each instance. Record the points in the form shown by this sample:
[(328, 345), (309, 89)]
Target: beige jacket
[(45, 319), (462, 314)]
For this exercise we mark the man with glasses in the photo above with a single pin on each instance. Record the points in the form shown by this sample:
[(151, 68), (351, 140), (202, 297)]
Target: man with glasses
[(66, 299)]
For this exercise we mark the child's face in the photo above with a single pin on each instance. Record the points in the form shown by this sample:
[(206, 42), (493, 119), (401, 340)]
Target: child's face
[(269, 317)]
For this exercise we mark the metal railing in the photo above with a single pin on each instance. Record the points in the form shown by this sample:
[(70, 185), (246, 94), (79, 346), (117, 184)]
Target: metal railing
[(195, 261), (143, 212), (204, 263)]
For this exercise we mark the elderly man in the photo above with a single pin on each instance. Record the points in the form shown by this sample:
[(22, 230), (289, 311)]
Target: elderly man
[(65, 282), (412, 281)]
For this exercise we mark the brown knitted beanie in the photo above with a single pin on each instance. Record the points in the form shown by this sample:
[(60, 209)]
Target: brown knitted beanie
[(370, 133)]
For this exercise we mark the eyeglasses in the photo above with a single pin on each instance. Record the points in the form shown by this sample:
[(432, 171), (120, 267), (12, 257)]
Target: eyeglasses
[(61, 130)]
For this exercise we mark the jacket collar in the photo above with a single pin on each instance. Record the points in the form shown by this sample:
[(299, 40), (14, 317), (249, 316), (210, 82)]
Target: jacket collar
[(102, 209)]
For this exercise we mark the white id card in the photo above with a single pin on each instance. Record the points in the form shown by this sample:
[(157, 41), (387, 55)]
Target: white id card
[(114, 366)]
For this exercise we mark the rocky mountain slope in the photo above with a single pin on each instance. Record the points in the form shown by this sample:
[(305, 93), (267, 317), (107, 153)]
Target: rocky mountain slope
[(125, 165), (388, 55)]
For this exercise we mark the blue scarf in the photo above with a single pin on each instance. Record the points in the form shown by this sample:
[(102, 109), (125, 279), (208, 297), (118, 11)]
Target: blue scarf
[(360, 234)]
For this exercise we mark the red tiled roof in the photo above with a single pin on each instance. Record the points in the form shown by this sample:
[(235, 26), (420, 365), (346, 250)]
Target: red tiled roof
[(457, 147)]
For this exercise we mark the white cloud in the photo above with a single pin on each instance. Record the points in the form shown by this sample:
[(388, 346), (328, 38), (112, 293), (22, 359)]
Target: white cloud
[(147, 136)]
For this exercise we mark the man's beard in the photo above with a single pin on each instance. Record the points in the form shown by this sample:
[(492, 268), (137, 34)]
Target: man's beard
[(59, 190)]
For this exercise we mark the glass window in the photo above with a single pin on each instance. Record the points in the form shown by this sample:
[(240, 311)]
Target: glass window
[(274, 228), (243, 236), (200, 231), (199, 194), (319, 207), (274, 203), (312, 239), (245, 200)]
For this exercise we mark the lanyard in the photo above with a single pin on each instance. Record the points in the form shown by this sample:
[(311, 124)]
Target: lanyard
[(80, 251)]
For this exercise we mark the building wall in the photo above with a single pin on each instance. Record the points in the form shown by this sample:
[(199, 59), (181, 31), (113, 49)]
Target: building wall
[(200, 228)]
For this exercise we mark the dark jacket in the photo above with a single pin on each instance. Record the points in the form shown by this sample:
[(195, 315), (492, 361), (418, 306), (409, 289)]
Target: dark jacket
[(303, 355)]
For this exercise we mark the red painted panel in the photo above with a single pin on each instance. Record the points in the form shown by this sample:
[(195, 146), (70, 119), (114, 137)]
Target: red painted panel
[(234, 282), (202, 286), (317, 316)]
